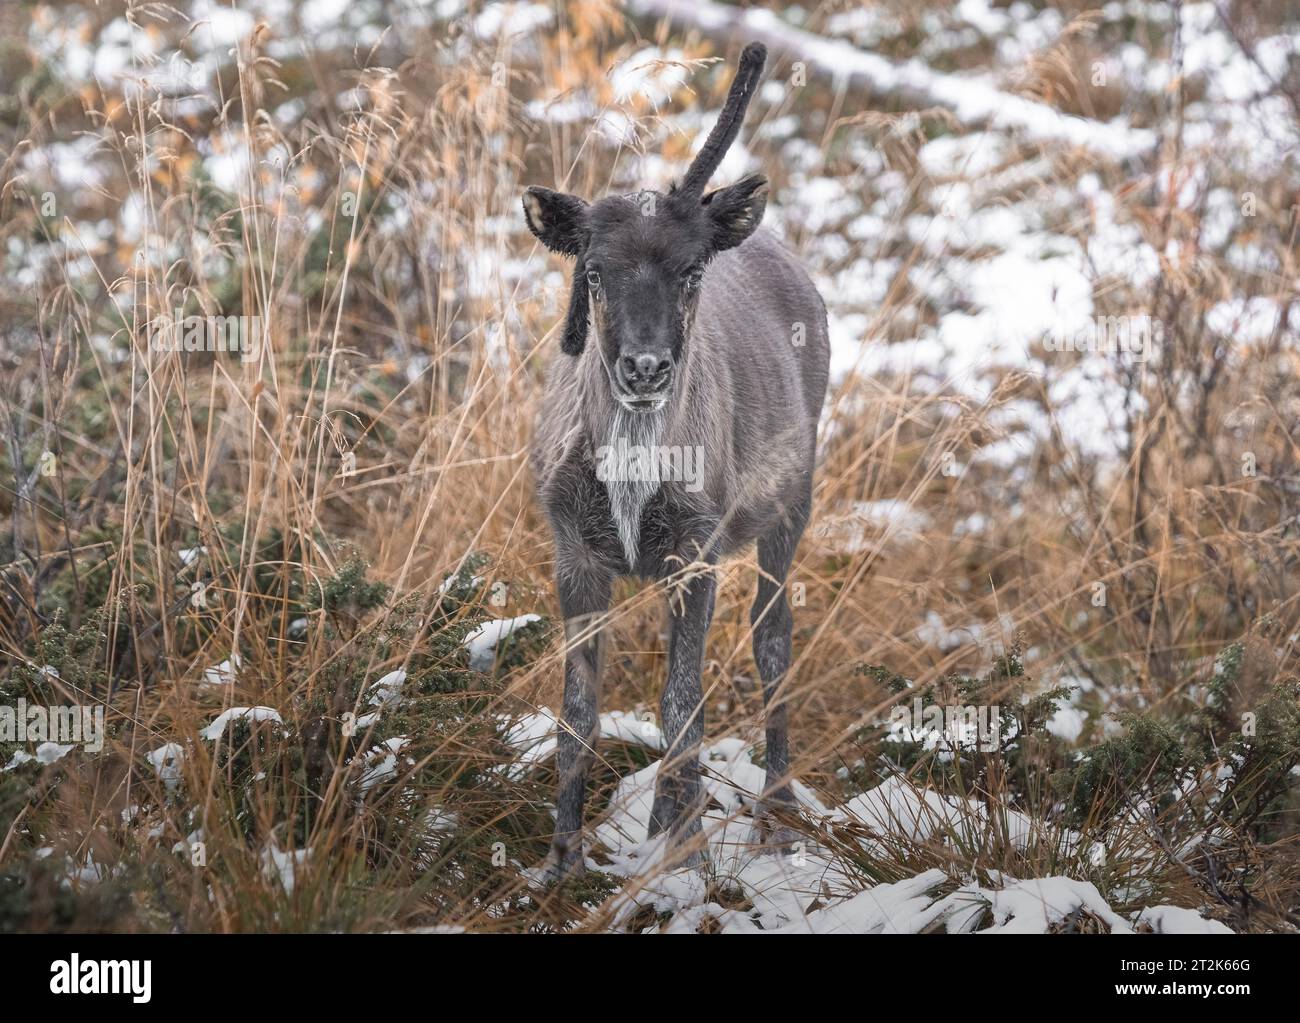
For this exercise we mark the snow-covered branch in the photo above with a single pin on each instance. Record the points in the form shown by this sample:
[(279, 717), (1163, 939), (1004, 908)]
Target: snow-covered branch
[(975, 100)]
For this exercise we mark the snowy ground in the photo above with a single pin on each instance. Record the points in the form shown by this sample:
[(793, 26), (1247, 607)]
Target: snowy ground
[(807, 890)]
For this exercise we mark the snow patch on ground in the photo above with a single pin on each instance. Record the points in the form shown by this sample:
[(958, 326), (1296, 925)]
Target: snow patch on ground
[(482, 642), (807, 889), (251, 714)]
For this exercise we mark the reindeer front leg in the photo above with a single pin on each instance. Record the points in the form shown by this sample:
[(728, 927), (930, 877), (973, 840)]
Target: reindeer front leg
[(584, 598), (679, 801)]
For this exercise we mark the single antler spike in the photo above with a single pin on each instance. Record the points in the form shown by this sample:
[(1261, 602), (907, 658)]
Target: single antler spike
[(752, 59)]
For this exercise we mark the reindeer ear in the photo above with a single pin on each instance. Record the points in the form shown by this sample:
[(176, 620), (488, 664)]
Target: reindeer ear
[(735, 211), (558, 220), (576, 324)]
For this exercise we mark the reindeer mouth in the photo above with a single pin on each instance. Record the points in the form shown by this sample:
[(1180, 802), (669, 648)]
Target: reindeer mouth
[(630, 401), (641, 403)]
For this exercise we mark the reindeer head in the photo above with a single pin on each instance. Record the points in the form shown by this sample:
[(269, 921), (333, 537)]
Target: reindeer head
[(640, 259)]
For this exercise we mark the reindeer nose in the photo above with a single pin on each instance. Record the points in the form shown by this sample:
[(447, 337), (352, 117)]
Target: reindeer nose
[(646, 372), (650, 365)]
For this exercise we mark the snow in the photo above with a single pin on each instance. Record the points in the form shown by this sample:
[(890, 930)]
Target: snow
[(222, 674), (1027, 907), (809, 890), (904, 907), (223, 26), (536, 736), (381, 762), (1245, 320), (450, 581), (506, 19), (387, 692), (189, 555), (898, 809), (1176, 920), (251, 714), (892, 519), (166, 761), (1067, 723), (933, 631), (482, 642), (282, 866), (651, 73), (46, 753), (975, 99), (967, 156)]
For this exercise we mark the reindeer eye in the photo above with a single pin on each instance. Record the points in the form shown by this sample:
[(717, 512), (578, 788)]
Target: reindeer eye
[(593, 280), (693, 279)]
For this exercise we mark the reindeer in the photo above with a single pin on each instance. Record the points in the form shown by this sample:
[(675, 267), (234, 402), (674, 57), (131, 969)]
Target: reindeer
[(689, 328)]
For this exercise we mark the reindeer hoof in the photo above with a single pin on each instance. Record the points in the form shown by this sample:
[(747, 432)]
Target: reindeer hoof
[(772, 836), (689, 859), (559, 866)]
